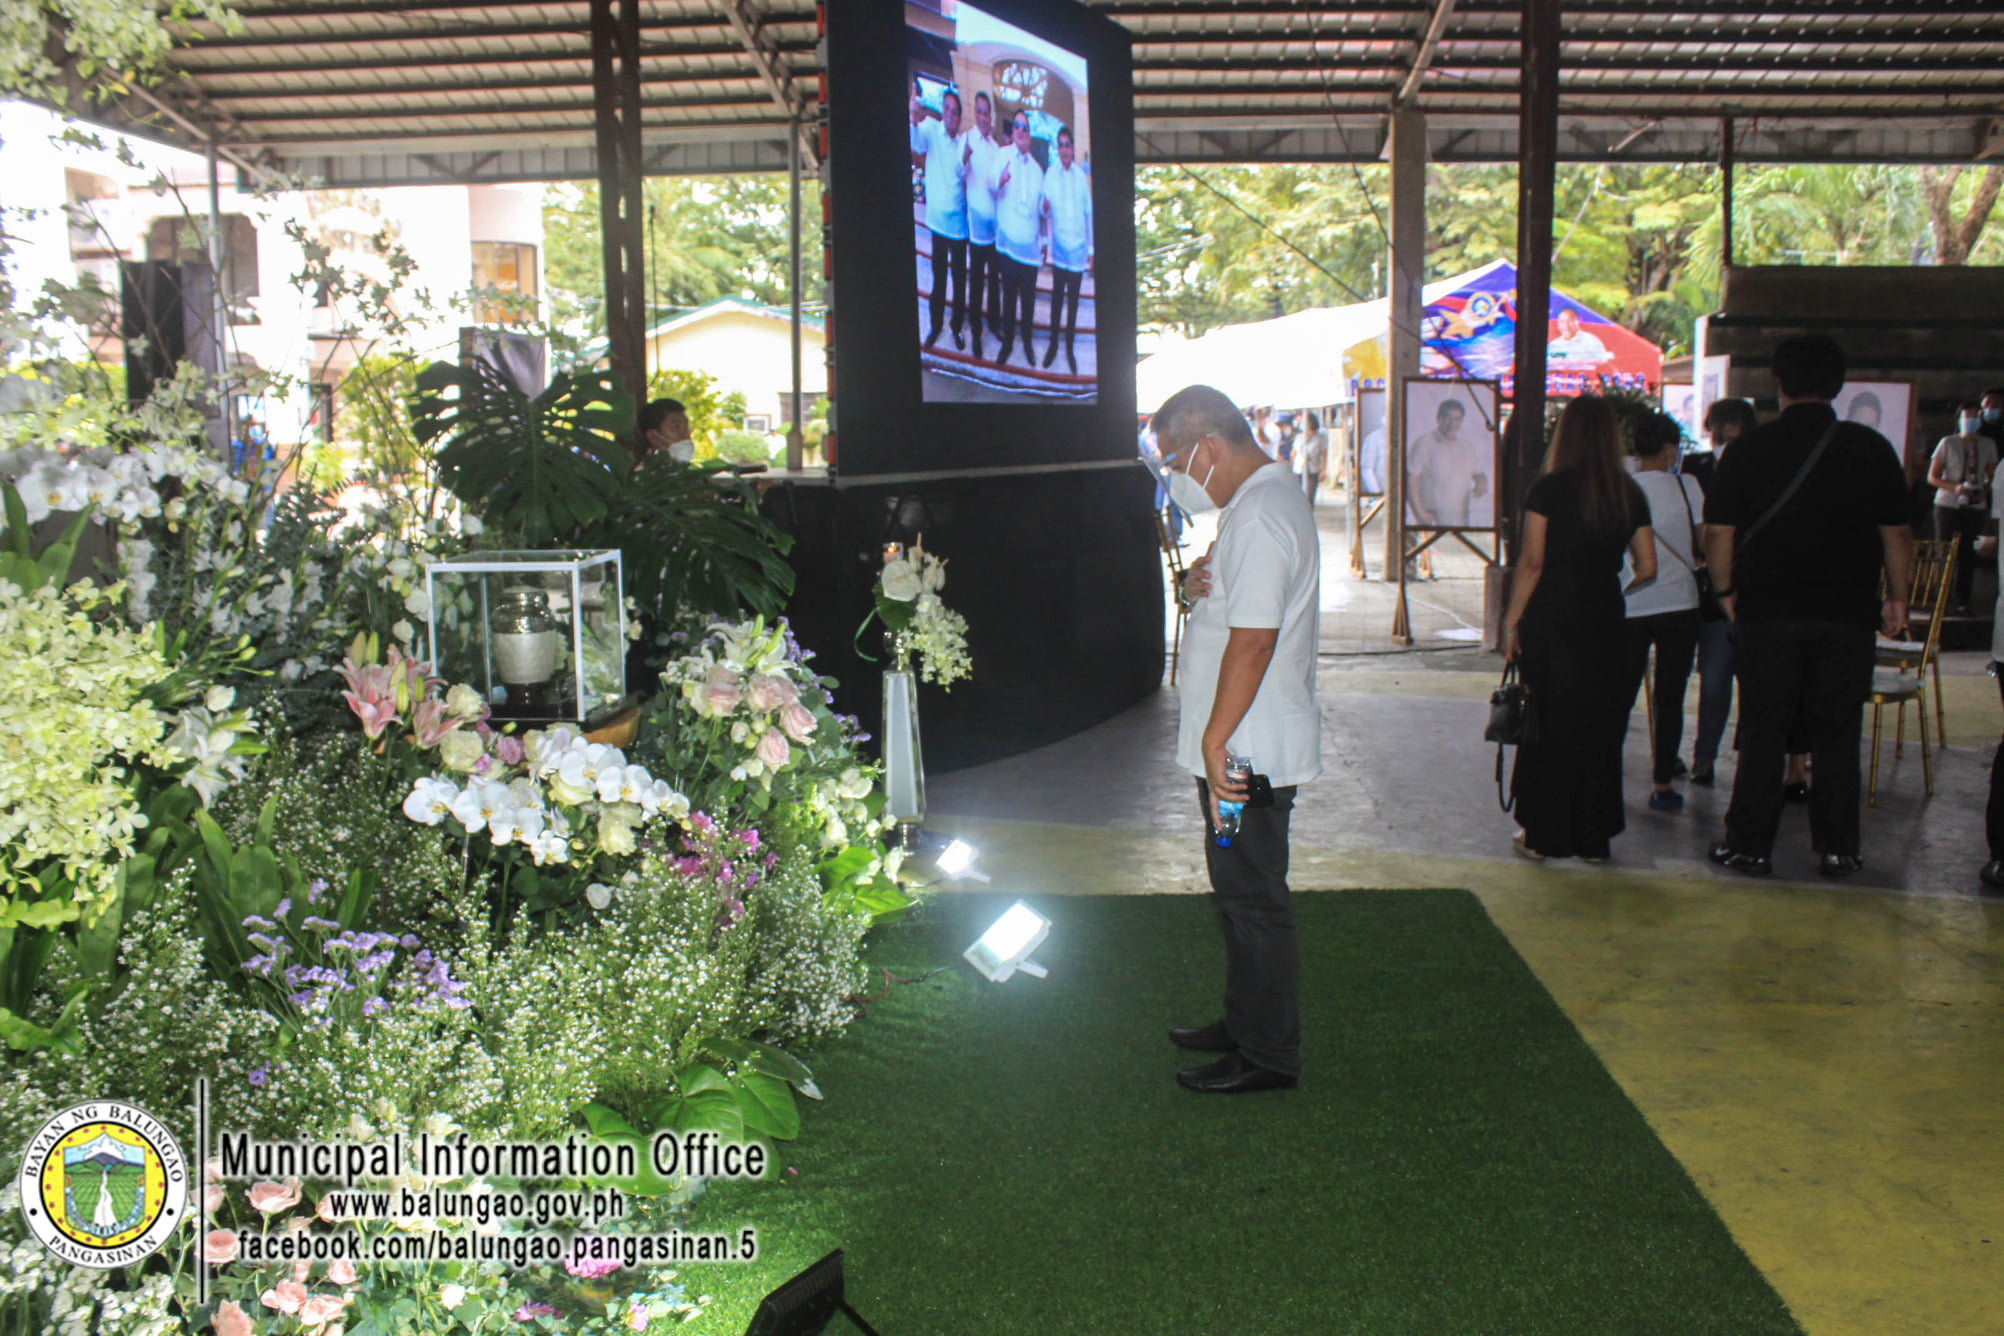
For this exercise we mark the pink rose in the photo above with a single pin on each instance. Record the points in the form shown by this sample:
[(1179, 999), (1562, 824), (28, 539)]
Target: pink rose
[(271, 1198), (212, 1198), (341, 1271), (509, 749), (322, 1309), (287, 1297), (212, 1172), (325, 1209), (301, 1269), (721, 692), (770, 692), (219, 1247), (772, 749), (797, 721), (231, 1320)]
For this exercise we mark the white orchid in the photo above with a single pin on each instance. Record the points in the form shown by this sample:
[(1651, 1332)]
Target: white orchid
[(431, 800)]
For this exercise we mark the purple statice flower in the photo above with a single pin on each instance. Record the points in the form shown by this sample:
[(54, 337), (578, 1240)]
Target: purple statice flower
[(409, 943), (750, 838), (701, 823), (259, 921), (316, 889), (727, 874), (319, 924), (374, 1005), (260, 1074), (284, 907), (269, 943)]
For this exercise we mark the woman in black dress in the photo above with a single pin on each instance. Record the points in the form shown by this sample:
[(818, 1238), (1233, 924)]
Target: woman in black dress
[(1564, 628)]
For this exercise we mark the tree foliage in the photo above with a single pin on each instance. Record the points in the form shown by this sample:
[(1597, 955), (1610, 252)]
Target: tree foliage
[(1638, 242), (707, 237)]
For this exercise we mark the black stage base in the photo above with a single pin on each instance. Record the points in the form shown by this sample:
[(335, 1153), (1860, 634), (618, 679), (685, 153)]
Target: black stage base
[(1058, 574)]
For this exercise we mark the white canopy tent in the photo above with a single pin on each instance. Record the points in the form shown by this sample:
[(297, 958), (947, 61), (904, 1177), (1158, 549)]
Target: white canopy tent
[(1291, 361)]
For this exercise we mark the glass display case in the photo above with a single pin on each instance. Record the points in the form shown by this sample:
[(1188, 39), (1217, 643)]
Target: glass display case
[(543, 634)]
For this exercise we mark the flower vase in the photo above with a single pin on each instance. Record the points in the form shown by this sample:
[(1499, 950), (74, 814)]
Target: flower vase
[(904, 759)]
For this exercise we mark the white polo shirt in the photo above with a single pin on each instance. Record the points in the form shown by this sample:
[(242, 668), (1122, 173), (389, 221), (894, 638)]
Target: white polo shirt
[(945, 177), (1266, 572)]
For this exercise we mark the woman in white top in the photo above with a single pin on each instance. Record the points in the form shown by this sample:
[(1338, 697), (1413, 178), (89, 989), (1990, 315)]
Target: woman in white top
[(1311, 455), (1664, 613), (1960, 474)]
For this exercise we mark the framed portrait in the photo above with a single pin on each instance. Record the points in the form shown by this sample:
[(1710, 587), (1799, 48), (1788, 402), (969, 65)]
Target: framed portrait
[(1370, 438), (1886, 406), (1451, 454)]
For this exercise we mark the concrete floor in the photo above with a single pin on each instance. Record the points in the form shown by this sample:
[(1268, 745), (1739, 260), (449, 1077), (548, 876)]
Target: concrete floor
[(1826, 1060)]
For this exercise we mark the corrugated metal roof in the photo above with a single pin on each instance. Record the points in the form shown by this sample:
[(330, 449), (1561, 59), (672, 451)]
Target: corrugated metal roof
[(460, 90)]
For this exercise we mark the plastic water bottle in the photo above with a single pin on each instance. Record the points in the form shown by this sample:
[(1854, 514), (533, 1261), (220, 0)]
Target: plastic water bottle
[(1238, 769)]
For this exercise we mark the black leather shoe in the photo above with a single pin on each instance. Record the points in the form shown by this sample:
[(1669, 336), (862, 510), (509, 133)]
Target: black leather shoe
[(1233, 1075), (1704, 775), (1841, 865), (958, 341), (1795, 793), (1754, 865), (1992, 874), (933, 337), (1212, 1038)]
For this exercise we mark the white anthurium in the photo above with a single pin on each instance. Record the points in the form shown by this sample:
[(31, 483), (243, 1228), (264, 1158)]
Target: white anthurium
[(901, 581)]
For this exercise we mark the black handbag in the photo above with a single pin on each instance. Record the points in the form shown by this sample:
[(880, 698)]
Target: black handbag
[(1511, 722)]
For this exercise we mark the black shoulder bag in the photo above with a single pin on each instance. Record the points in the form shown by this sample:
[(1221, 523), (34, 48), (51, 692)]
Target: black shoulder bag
[(1709, 607), (1787, 494), (1511, 722)]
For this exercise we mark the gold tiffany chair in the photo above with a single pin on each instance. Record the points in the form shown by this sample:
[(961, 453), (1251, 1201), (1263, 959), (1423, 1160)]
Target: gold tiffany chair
[(1933, 576), (1904, 665)]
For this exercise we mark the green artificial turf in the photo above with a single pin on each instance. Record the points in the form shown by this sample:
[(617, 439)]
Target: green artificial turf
[(1018, 1157)]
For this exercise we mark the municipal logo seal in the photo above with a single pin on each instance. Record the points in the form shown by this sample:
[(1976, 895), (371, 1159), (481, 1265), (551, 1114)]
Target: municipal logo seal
[(103, 1184)]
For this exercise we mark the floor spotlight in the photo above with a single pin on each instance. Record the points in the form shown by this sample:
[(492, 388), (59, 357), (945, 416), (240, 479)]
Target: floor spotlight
[(804, 1305), (1006, 946), (956, 862)]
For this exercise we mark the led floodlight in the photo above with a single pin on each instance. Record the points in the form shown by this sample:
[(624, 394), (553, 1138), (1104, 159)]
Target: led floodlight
[(1006, 946), (956, 861)]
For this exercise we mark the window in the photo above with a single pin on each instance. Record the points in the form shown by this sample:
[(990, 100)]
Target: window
[(504, 283), (320, 424), (180, 241), (758, 422), (808, 398)]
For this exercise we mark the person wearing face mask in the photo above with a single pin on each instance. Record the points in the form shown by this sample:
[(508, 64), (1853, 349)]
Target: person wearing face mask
[(664, 429), (1991, 416), (1248, 690), (1960, 472)]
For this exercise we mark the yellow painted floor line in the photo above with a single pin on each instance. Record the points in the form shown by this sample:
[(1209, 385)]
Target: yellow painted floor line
[(1827, 1064)]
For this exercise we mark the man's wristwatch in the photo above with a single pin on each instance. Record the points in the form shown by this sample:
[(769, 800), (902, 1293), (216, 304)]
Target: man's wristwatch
[(1723, 593)]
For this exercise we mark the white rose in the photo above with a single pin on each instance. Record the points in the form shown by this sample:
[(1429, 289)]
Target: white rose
[(452, 1296), (403, 630), (418, 603), (460, 750), (463, 702), (598, 895)]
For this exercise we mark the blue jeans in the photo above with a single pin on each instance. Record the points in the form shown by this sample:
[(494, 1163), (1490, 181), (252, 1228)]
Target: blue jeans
[(1715, 690)]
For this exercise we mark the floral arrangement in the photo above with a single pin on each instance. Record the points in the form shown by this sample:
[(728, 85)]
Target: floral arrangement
[(921, 627), (744, 724)]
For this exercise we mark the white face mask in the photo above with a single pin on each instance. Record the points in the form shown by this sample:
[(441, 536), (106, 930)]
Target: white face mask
[(1188, 493), (1992, 414), (1969, 425), (682, 451)]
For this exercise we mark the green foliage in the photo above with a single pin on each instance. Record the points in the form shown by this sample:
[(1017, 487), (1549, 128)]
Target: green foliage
[(743, 447), (541, 469), (20, 564), (375, 420), (693, 537), (706, 237)]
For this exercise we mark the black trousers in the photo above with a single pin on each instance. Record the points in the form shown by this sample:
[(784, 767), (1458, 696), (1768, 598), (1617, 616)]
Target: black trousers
[(1019, 301), (1262, 958), (949, 258), (1821, 673), (1961, 526), (1675, 637), (984, 286), (1065, 287)]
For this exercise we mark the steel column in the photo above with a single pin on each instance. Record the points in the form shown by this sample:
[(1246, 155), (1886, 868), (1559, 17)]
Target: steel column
[(1537, 165)]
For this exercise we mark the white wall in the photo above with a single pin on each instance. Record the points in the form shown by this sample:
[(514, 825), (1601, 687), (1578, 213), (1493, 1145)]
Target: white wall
[(751, 354)]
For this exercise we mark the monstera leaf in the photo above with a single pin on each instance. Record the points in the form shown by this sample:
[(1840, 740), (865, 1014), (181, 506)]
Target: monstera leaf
[(692, 535), (541, 469)]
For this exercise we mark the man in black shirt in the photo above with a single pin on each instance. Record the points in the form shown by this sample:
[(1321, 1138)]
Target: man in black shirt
[(1797, 567)]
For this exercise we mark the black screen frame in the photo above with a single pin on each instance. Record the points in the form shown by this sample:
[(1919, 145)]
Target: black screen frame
[(883, 425)]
